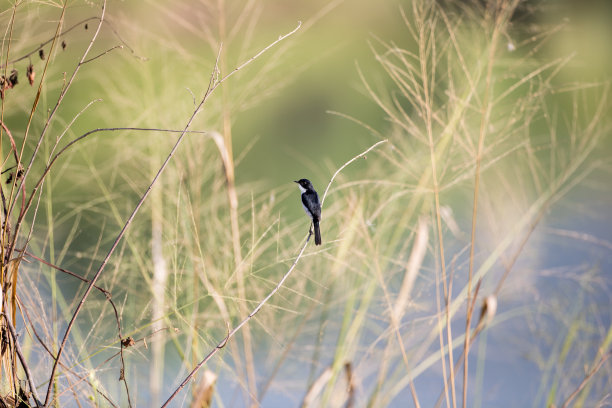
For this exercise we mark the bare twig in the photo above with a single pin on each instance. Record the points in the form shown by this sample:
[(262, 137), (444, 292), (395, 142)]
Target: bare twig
[(265, 300), (35, 50), (504, 12), (375, 145), (102, 54), (212, 85), (83, 136), (104, 291), (586, 378), (64, 366), (23, 361), (237, 328), (108, 296), (66, 31)]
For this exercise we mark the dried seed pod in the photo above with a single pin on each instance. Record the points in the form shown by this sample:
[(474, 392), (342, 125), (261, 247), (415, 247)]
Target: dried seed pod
[(13, 78), (12, 174), (488, 309), (205, 390), (4, 340), (41, 54), (23, 398), (31, 74), (63, 44), (127, 342)]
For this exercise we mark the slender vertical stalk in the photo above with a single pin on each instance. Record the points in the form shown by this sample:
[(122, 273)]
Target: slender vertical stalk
[(213, 84), (484, 123), (4, 237), (160, 275), (233, 208), (119, 237), (426, 53)]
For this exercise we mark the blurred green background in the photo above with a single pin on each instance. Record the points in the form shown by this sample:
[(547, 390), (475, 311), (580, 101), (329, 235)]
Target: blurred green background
[(303, 109)]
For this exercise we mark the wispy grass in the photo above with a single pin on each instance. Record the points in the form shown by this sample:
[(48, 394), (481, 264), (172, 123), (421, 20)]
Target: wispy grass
[(477, 112), (433, 259)]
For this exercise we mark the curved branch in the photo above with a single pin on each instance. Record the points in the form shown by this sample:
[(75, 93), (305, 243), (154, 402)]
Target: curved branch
[(22, 359), (213, 84), (66, 31), (223, 342), (83, 136), (231, 334), (346, 164)]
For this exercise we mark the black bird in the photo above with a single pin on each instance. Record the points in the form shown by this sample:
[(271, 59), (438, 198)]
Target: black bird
[(312, 206)]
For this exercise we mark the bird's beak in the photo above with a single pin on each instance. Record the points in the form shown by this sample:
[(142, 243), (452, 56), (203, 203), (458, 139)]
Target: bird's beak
[(295, 181)]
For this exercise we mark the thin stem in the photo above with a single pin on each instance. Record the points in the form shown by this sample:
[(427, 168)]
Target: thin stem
[(102, 54), (231, 333), (426, 52), (484, 124), (23, 361), (83, 136), (51, 114), (30, 53), (108, 296), (347, 163), (211, 87), (586, 379), (115, 244), (5, 224)]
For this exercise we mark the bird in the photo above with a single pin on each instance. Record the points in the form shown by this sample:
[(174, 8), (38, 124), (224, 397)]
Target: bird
[(312, 206)]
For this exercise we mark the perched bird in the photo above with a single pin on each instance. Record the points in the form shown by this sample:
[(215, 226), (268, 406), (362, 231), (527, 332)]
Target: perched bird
[(312, 206)]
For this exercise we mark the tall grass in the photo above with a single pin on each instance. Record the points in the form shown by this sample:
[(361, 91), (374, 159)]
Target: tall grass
[(73, 380), (472, 112), (137, 268)]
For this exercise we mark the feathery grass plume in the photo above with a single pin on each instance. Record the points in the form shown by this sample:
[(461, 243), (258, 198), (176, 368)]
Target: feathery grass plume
[(471, 126), (466, 229)]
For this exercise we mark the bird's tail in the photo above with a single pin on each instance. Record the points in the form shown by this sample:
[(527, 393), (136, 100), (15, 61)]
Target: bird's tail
[(317, 232)]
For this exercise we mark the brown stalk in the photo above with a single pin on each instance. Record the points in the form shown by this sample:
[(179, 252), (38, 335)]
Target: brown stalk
[(503, 13), (212, 85), (5, 233), (107, 294), (426, 105), (22, 359), (586, 379), (231, 333), (47, 123), (232, 196), (5, 227)]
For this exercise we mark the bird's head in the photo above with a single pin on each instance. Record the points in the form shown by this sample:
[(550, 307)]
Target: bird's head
[(304, 184)]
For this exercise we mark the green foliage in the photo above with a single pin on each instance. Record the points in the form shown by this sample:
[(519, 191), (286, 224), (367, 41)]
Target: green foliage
[(437, 243)]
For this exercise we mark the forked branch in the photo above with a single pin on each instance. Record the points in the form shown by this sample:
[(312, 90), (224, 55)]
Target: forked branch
[(231, 334), (212, 85)]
